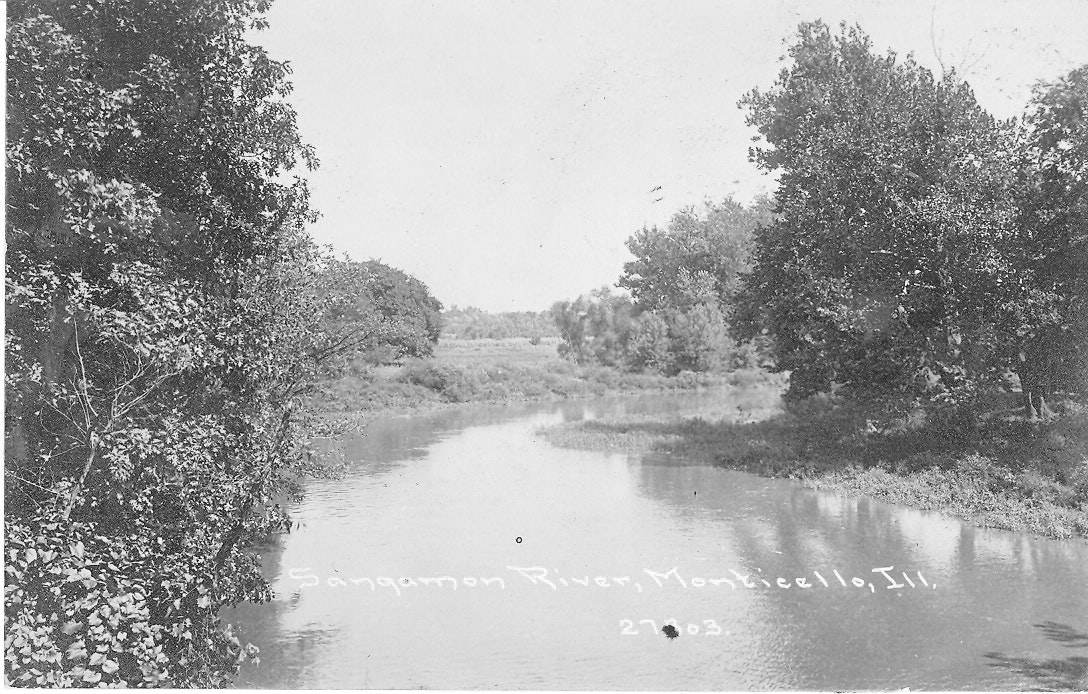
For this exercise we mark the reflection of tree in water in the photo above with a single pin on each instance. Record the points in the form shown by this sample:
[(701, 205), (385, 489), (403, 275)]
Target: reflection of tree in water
[(1051, 674), (389, 442), (787, 530), (286, 653)]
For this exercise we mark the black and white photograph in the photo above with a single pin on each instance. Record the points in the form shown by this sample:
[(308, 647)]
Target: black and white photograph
[(546, 345)]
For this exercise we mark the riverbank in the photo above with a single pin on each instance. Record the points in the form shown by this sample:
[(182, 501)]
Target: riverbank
[(1008, 474), (501, 371)]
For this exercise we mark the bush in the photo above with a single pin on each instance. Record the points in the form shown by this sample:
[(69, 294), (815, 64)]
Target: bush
[(79, 608)]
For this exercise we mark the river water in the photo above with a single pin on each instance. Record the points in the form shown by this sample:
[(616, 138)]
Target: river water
[(461, 551)]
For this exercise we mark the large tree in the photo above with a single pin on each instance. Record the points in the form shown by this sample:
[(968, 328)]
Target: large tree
[(1050, 316), (162, 332), (884, 270), (384, 313)]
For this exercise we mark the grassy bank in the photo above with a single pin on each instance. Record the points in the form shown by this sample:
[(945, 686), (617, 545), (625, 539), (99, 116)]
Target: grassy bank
[(1006, 474), (496, 371)]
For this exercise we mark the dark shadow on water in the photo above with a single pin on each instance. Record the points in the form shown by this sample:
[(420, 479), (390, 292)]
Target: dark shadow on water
[(1051, 674), (1064, 634)]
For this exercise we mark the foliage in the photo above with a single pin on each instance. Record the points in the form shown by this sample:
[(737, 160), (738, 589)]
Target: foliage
[(595, 328), (684, 280), (672, 341), (697, 257), (1028, 477), (1051, 322), (422, 383), (163, 306), (471, 323), (700, 339), (385, 314), (885, 270), (651, 344), (82, 610)]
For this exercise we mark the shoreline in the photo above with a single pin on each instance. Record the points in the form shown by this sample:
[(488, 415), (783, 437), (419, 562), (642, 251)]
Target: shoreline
[(406, 393), (1012, 477)]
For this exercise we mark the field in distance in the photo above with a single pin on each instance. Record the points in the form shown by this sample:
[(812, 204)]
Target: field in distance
[(511, 350)]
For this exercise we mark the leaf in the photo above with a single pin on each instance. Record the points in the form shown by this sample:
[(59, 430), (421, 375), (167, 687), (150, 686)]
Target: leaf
[(76, 651), (70, 628)]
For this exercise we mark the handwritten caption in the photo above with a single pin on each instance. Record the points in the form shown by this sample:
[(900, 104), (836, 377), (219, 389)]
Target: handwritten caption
[(887, 576)]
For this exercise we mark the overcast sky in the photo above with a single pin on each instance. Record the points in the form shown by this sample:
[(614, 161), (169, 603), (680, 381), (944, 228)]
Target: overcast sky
[(502, 152)]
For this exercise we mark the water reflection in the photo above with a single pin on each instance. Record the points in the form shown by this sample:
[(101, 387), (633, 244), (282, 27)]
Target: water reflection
[(452, 493), (992, 584), (1051, 674)]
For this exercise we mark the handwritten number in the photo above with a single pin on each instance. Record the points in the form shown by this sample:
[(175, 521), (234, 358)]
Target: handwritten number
[(628, 628)]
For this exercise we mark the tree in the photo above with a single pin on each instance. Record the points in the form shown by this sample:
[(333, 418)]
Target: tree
[(651, 345), (161, 335), (471, 323), (384, 310), (1049, 324), (714, 244), (884, 271), (700, 339), (595, 328), (684, 280)]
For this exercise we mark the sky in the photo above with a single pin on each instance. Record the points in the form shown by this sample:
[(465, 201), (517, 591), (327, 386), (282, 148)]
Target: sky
[(502, 152)]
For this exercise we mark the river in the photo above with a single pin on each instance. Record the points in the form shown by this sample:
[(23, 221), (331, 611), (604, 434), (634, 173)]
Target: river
[(460, 551)]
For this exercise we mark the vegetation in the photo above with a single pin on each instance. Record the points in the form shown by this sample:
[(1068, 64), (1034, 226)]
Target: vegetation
[(495, 371), (1007, 474), (172, 330), (708, 250), (475, 324), (596, 328), (684, 281), (683, 285), (1052, 254), (384, 314), (163, 328), (923, 263), (916, 247)]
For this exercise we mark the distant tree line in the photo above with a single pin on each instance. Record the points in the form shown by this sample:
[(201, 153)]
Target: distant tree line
[(682, 288), (471, 323)]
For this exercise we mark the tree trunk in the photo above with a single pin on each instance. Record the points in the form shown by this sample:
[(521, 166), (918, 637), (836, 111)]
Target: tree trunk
[(1030, 413), (54, 351), (78, 489), (1033, 396), (1044, 410)]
